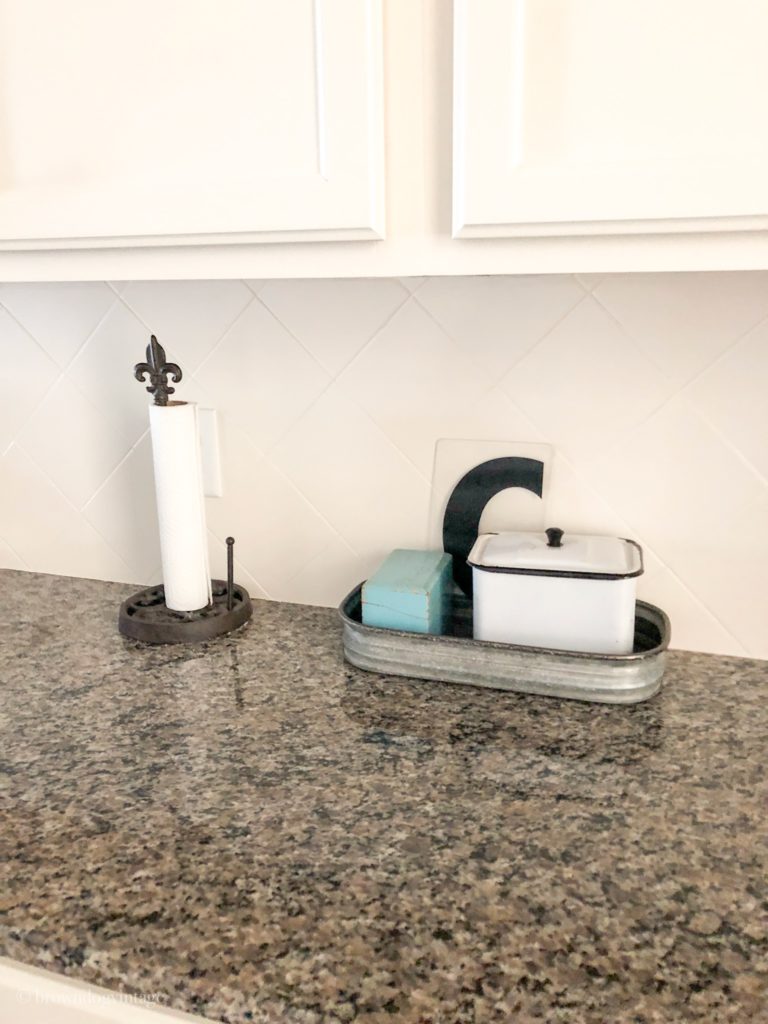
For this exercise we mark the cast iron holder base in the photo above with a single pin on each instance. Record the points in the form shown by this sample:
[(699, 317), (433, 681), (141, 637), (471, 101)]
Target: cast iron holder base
[(146, 617)]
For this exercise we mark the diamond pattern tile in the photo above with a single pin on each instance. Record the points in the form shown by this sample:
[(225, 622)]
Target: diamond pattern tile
[(732, 395), (333, 319), (725, 574), (331, 396), (335, 568), (590, 281), (80, 426), (78, 550), (585, 383), (694, 627), (572, 499), (685, 321), (327, 454), (59, 316), (26, 373), (262, 376), (35, 509), (674, 478), (103, 371), (188, 317), (684, 490), (277, 531), (497, 320), (415, 381), (123, 512), (9, 559)]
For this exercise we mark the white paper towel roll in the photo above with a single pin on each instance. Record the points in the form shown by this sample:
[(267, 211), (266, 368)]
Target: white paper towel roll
[(180, 505)]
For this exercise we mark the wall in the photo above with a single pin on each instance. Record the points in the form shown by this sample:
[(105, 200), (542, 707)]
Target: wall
[(332, 394)]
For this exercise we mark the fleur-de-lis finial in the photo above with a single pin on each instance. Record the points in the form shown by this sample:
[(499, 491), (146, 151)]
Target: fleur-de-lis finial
[(158, 372)]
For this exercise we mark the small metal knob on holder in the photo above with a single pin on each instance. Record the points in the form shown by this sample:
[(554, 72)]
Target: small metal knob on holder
[(554, 537)]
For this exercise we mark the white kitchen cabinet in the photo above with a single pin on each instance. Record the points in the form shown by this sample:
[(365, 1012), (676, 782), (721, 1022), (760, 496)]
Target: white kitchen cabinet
[(145, 139), (160, 122), (588, 117)]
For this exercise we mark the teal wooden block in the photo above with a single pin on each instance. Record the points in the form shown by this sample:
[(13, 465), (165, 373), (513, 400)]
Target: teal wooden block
[(410, 591)]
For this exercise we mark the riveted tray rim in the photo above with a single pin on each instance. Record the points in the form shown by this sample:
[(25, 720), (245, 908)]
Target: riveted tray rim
[(620, 678)]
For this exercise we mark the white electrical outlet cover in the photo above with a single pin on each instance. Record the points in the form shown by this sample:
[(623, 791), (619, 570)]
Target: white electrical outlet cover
[(512, 509), (208, 427)]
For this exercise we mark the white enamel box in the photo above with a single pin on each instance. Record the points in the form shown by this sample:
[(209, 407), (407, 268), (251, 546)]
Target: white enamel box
[(561, 591)]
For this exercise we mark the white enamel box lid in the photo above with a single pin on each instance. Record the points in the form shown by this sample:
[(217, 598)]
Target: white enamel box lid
[(555, 553)]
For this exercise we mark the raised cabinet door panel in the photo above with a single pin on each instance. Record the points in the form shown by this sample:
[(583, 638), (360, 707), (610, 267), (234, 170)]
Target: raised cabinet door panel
[(579, 117), (151, 122)]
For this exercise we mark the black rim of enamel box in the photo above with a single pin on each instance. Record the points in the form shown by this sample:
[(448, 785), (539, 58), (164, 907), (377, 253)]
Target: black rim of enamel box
[(567, 573)]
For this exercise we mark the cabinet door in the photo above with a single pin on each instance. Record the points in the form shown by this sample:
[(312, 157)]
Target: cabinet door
[(130, 122), (579, 117)]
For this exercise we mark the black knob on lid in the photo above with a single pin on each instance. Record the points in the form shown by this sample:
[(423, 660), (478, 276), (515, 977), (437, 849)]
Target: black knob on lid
[(554, 537)]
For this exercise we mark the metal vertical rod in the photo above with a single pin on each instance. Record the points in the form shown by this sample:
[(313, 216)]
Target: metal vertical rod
[(230, 573)]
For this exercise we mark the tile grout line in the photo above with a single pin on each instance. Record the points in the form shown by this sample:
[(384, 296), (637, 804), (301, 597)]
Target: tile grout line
[(14, 552), (251, 289), (680, 391), (638, 534), (217, 344), (726, 352), (238, 561), (459, 349), (251, 297), (297, 490), (521, 355), (572, 466), (631, 430), (106, 480), (646, 359), (71, 504), (528, 352), (724, 439), (613, 448), (763, 319), (383, 435), (385, 323), (332, 378), (335, 374), (690, 399), (45, 394), (63, 372), (28, 333)]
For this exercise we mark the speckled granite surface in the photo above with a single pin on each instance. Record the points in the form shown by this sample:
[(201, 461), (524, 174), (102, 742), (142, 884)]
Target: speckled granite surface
[(256, 832)]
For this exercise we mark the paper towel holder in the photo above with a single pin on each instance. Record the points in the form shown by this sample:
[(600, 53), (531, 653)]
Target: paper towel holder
[(145, 616)]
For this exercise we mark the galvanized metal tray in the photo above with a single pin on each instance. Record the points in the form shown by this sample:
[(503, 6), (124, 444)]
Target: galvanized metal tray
[(457, 658)]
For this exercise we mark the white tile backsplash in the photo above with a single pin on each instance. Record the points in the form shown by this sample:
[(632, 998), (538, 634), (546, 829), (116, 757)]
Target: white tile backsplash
[(26, 374), (80, 428), (498, 319), (331, 395), (731, 395), (59, 316), (680, 323), (188, 316), (585, 383), (333, 319), (262, 376)]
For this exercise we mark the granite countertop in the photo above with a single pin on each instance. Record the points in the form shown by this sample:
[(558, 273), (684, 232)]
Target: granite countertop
[(254, 831)]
